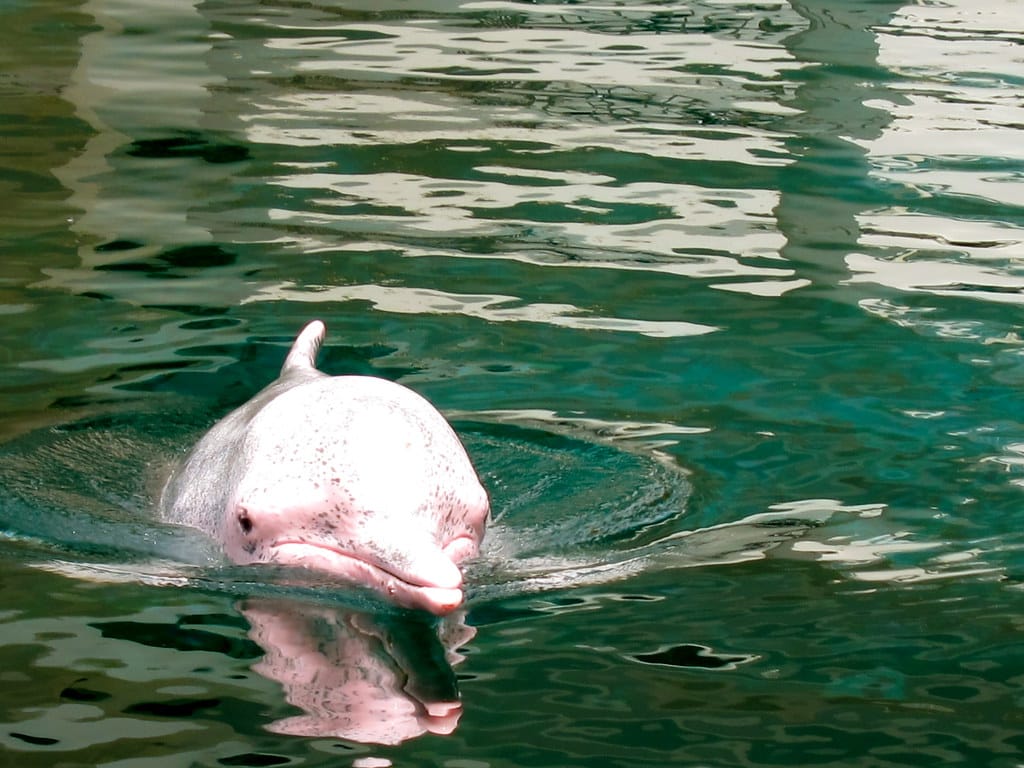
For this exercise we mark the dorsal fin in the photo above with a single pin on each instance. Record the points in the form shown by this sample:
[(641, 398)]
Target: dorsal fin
[(305, 348)]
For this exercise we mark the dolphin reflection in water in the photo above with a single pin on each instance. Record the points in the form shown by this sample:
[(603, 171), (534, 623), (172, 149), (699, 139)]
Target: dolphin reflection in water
[(366, 677)]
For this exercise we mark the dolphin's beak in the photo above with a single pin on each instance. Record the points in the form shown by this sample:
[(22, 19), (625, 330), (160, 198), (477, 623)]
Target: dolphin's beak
[(425, 578)]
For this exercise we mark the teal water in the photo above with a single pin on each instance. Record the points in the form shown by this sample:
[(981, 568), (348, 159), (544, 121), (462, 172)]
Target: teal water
[(725, 300)]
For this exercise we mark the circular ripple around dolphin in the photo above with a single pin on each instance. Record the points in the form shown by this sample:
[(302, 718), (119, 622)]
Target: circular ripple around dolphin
[(563, 498), (85, 490), (558, 493)]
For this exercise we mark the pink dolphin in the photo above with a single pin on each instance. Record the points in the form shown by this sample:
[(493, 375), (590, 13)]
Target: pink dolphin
[(352, 476)]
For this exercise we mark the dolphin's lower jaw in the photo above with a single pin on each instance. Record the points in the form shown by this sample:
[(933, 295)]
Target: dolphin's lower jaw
[(420, 594)]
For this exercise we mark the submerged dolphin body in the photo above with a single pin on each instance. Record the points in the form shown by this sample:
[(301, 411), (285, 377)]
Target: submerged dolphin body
[(353, 476)]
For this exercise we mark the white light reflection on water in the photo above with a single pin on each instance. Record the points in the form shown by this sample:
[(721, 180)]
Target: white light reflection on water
[(680, 232), (954, 134), (554, 56), (493, 308), (597, 94), (941, 278)]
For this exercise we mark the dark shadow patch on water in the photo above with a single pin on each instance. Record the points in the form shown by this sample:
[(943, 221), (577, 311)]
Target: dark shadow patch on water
[(692, 656), (82, 694), (88, 400), (198, 256), (39, 741), (179, 638), (254, 760), (500, 612), (188, 144), (214, 323), (195, 310), (175, 263), (116, 246), (143, 267), (162, 365), (98, 295), (638, 598), (230, 708), (172, 708)]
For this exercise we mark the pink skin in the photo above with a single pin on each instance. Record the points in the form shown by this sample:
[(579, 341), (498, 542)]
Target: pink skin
[(393, 504), (440, 592), (351, 476), (411, 569)]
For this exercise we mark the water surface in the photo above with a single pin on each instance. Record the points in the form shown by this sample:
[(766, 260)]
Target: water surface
[(724, 299)]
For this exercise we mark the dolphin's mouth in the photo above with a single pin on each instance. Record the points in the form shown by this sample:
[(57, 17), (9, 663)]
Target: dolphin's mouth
[(437, 589)]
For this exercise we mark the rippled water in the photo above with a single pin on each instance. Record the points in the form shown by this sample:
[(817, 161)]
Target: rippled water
[(725, 300)]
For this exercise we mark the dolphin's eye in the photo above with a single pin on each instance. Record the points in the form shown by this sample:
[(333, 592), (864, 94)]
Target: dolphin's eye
[(244, 521)]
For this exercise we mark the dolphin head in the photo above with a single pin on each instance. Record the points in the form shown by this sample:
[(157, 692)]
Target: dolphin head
[(360, 479)]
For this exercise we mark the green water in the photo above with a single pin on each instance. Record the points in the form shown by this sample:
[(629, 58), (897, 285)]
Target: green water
[(725, 300)]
